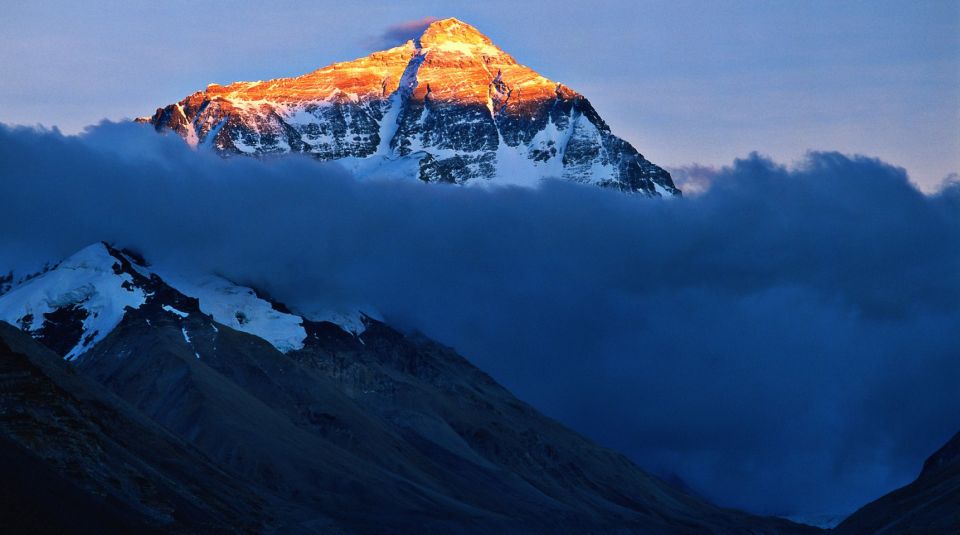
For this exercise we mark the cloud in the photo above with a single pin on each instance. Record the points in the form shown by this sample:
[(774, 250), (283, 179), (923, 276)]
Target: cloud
[(952, 180), (783, 342), (693, 179), (400, 33)]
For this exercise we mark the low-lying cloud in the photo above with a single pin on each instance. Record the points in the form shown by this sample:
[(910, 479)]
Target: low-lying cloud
[(784, 342), (694, 179)]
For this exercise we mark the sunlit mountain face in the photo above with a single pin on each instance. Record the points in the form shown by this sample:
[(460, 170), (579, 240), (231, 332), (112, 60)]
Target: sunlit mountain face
[(448, 106)]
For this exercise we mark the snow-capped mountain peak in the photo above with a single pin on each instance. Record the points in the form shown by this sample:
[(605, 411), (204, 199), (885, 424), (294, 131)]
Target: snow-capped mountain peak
[(448, 106), (454, 29), (77, 303), (82, 299), (453, 35)]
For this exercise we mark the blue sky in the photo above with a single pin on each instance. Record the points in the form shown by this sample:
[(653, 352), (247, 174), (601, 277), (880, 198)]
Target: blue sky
[(683, 81)]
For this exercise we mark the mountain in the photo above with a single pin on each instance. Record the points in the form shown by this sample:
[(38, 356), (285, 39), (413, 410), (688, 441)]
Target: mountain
[(931, 504), (448, 106), (127, 399), (82, 299), (77, 459)]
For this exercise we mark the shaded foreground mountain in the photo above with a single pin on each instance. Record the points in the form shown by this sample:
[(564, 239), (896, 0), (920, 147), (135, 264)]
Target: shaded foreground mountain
[(176, 421), (931, 504), (76, 458), (448, 106)]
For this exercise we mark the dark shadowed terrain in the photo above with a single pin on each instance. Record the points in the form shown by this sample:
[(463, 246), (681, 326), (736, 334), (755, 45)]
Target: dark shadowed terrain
[(930, 504), (381, 433)]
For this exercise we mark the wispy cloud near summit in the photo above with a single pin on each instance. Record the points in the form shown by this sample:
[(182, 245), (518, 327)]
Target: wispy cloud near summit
[(399, 33)]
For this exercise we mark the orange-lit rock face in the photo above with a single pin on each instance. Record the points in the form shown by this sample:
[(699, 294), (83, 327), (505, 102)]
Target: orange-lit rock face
[(373, 77), (461, 64), (458, 64), (450, 105)]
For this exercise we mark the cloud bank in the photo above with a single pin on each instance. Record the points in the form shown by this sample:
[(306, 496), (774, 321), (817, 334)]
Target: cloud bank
[(784, 342)]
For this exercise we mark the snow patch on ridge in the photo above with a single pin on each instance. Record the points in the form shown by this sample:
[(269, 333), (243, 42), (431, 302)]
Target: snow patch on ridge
[(172, 310), (87, 281), (466, 49), (91, 294), (240, 308), (350, 319), (191, 135)]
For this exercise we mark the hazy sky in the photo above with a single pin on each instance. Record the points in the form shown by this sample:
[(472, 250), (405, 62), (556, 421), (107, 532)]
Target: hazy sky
[(683, 81)]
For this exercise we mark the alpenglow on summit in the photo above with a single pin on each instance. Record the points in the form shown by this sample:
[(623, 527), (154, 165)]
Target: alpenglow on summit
[(448, 106)]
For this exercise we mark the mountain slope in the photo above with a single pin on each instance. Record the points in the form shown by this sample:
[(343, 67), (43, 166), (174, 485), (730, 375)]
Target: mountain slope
[(366, 432), (449, 106), (931, 504), (76, 458)]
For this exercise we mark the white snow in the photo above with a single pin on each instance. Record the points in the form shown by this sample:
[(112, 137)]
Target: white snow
[(467, 49), (239, 307), (172, 310), (242, 146), (212, 134), (347, 318), (191, 136), (662, 191), (389, 125), (514, 167), (300, 116), (186, 337), (86, 280), (383, 167)]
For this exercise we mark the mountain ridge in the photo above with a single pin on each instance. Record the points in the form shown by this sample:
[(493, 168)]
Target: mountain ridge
[(359, 432), (929, 504)]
